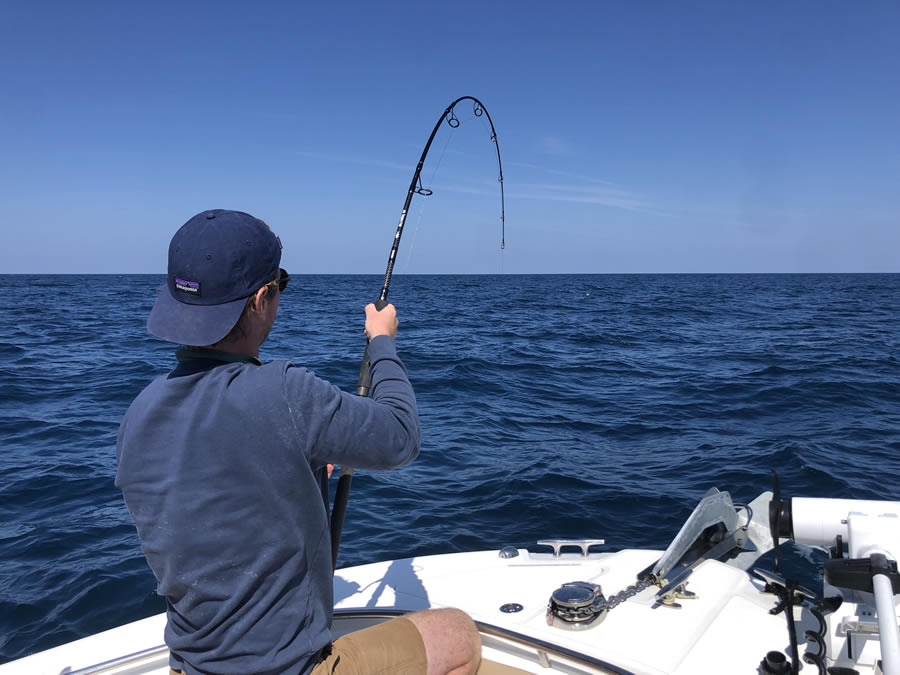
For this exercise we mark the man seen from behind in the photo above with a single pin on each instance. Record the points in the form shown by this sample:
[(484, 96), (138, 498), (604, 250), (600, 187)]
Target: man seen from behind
[(223, 464)]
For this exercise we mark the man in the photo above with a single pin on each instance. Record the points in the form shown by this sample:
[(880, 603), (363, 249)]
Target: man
[(223, 466)]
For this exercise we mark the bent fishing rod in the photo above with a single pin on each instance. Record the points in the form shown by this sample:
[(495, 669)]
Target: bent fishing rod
[(342, 495)]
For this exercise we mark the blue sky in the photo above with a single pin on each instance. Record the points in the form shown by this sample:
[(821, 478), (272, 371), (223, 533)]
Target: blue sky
[(635, 136)]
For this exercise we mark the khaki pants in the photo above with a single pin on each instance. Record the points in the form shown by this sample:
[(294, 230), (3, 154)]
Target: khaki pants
[(390, 648)]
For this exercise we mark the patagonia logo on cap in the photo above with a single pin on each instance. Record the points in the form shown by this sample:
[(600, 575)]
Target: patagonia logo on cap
[(192, 287)]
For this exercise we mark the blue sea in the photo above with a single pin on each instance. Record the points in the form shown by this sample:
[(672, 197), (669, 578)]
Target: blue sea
[(569, 406)]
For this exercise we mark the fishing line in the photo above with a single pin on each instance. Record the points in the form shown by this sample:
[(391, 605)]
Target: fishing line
[(412, 244), (422, 203), (441, 156), (342, 494), (500, 179)]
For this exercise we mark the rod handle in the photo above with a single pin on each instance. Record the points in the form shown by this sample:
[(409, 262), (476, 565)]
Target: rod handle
[(339, 511), (342, 494)]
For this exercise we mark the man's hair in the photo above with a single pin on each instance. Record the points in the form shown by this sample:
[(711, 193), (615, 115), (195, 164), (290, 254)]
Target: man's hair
[(238, 331)]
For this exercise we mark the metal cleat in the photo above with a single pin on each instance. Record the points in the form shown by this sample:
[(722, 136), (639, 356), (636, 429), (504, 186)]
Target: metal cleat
[(558, 544)]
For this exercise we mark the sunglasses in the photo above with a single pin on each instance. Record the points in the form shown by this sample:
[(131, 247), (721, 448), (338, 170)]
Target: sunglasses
[(283, 279)]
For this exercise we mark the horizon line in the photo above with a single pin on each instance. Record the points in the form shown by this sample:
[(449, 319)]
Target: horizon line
[(441, 274)]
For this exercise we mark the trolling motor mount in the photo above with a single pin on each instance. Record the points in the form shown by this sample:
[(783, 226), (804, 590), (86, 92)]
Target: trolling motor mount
[(781, 519)]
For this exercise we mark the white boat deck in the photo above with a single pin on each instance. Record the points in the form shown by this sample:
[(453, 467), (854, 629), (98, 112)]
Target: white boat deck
[(726, 629), (705, 635)]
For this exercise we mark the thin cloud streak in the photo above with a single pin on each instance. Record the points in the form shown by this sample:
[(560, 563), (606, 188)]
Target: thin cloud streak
[(620, 199), (569, 174), (561, 172), (598, 191), (347, 159), (584, 189), (554, 145)]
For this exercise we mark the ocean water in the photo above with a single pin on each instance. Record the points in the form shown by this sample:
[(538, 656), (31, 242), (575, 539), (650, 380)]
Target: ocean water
[(567, 406)]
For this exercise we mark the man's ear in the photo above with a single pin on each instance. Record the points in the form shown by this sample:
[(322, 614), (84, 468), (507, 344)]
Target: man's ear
[(257, 298)]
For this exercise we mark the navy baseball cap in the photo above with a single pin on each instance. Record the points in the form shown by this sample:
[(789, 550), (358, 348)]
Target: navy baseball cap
[(217, 260)]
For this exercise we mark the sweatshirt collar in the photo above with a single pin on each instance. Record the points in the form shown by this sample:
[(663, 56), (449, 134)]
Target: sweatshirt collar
[(185, 354)]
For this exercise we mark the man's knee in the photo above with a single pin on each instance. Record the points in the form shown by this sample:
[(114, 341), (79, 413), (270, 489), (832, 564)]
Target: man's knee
[(451, 639), (449, 619)]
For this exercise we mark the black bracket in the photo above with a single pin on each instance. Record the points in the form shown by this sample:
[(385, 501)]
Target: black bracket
[(856, 573)]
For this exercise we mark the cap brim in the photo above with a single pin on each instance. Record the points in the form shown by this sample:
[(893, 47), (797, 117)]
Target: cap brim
[(195, 325)]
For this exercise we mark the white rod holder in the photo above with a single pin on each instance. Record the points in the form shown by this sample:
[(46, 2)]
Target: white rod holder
[(887, 623)]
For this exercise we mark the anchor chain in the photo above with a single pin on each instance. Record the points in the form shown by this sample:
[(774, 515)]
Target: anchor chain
[(628, 592)]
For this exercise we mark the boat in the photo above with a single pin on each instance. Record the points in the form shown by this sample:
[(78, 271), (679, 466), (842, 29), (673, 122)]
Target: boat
[(702, 606)]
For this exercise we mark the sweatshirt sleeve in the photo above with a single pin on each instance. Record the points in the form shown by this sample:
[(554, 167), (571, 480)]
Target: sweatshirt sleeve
[(379, 432)]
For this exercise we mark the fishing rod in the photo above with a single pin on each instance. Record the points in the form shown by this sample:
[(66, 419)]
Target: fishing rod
[(342, 496)]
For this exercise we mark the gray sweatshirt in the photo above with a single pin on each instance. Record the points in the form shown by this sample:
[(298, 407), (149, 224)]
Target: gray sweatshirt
[(221, 463)]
